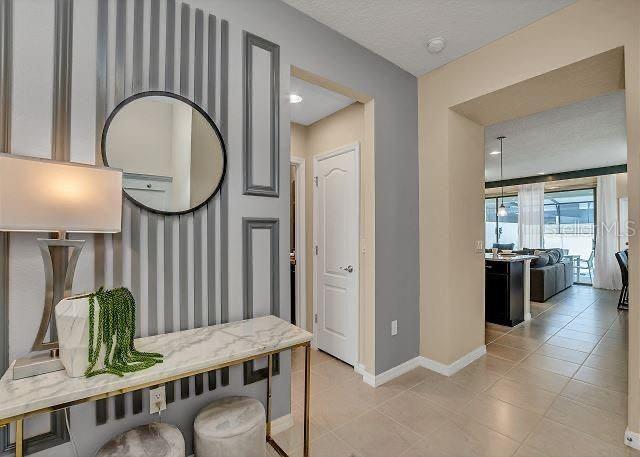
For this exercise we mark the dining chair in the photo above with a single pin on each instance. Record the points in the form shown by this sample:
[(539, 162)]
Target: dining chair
[(587, 265), (623, 262)]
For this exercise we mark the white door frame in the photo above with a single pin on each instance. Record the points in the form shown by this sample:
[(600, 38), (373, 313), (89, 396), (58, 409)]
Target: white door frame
[(301, 241), (316, 159)]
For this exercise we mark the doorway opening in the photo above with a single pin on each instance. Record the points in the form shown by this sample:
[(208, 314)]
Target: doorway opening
[(298, 242), (332, 252), (561, 199)]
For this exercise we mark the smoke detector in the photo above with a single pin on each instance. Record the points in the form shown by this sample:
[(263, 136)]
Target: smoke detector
[(436, 45)]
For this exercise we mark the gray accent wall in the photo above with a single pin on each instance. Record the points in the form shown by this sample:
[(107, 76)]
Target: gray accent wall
[(102, 73), (309, 45)]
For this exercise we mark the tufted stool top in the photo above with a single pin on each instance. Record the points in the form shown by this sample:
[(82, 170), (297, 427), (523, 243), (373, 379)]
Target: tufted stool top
[(152, 440), (229, 417)]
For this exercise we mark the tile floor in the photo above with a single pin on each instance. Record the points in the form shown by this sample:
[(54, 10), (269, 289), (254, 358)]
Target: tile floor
[(554, 386)]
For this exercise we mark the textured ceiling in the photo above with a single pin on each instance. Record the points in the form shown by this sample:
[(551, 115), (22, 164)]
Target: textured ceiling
[(587, 134), (399, 29), (317, 102)]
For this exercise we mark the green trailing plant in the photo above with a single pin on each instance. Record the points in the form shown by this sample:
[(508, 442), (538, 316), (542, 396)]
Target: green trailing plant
[(116, 330)]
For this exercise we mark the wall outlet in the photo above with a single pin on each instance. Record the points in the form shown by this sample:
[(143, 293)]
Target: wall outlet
[(157, 400), (394, 328), (479, 246)]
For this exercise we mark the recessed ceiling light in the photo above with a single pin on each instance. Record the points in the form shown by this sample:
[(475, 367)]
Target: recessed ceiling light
[(295, 98), (494, 153), (541, 172), (436, 45)]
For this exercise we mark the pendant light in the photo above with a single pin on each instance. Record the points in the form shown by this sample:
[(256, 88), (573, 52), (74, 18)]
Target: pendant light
[(502, 210)]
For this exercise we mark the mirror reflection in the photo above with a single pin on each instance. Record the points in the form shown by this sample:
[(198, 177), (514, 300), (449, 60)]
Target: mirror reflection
[(172, 154)]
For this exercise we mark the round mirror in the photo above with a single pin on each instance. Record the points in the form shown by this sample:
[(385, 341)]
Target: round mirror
[(171, 153)]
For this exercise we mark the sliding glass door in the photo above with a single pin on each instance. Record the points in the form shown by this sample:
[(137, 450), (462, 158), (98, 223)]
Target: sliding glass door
[(569, 224)]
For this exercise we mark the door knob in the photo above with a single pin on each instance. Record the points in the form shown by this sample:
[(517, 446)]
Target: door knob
[(348, 269)]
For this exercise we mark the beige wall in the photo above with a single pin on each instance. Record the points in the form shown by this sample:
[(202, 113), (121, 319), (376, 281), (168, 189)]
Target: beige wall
[(342, 128), (451, 179)]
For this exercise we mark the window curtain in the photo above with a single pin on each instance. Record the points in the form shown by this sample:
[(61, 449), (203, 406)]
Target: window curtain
[(606, 272), (531, 215)]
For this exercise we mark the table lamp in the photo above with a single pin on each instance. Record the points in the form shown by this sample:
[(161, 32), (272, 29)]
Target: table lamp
[(39, 195)]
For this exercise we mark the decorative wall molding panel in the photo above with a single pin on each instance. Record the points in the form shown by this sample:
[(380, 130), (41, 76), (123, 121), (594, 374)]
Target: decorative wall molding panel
[(260, 255), (261, 142)]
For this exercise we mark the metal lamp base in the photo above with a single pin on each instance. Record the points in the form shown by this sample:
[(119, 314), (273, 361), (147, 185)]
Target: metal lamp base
[(36, 364), (60, 257)]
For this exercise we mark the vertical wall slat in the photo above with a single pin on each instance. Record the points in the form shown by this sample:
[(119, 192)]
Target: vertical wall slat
[(136, 86), (198, 56), (119, 94), (102, 412), (168, 227), (138, 42), (63, 56), (197, 284), (211, 207), (170, 46), (152, 240), (197, 220), (184, 291), (121, 45), (135, 287), (211, 67), (6, 80), (185, 19), (154, 45), (224, 190), (168, 291)]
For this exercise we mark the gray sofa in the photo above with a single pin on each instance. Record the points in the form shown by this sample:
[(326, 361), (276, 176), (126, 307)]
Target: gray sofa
[(549, 277)]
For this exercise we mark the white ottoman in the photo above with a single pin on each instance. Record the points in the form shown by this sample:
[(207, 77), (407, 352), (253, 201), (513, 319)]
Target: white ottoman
[(153, 440), (231, 427)]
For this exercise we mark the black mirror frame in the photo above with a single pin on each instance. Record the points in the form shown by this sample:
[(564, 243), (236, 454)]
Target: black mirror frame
[(160, 93)]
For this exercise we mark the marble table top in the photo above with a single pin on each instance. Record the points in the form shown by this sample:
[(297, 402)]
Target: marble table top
[(184, 352)]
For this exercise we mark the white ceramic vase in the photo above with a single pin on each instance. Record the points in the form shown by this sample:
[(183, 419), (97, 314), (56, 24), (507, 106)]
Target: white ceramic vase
[(72, 322)]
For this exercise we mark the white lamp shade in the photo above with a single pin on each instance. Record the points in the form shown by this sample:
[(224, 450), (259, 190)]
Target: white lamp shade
[(38, 195)]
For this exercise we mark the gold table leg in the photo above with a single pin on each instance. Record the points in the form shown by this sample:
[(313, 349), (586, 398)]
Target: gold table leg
[(307, 396), (269, 369), (19, 438)]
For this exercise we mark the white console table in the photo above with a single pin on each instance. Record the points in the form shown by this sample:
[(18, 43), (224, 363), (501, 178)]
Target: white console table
[(186, 353)]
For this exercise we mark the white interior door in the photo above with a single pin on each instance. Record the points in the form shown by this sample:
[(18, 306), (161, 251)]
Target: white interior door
[(336, 219)]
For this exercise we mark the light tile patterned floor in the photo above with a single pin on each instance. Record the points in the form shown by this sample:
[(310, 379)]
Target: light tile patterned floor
[(554, 386)]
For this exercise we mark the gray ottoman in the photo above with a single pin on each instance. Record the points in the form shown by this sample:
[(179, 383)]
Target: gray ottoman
[(153, 440), (231, 427)]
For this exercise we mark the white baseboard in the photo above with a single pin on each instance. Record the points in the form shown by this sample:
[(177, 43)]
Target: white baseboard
[(281, 424), (632, 439), (453, 368), (447, 370), (367, 377), (378, 380)]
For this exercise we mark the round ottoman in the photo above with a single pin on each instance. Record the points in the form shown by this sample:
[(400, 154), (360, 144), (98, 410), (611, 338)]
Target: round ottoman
[(231, 427), (152, 440)]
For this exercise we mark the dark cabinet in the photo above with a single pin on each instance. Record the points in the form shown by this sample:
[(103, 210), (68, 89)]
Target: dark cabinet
[(504, 292)]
